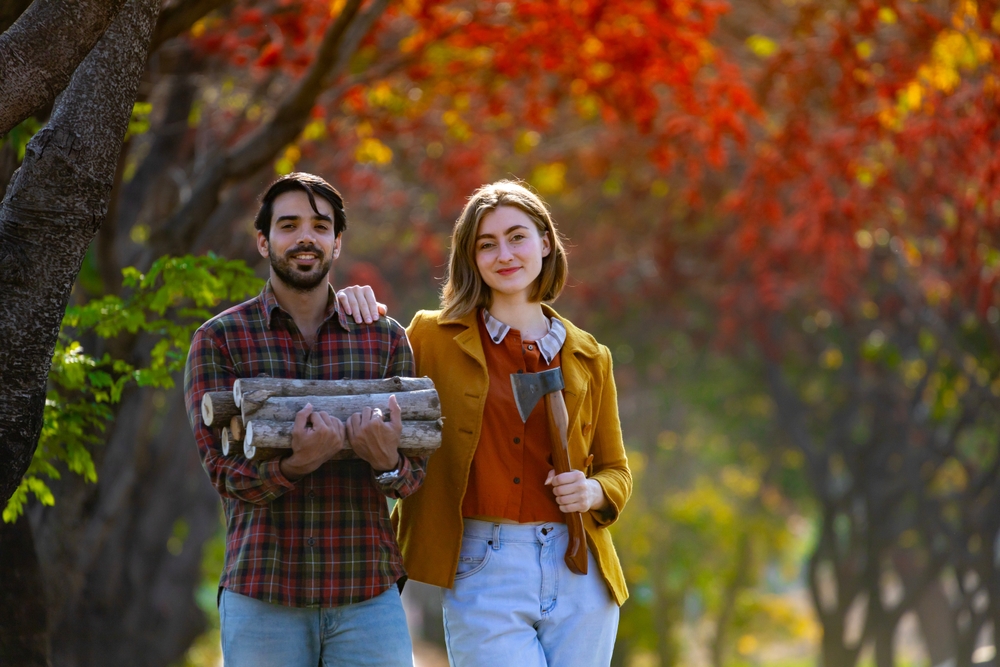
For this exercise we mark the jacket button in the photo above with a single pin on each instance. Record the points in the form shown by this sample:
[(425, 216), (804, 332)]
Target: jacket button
[(517, 480), (517, 441)]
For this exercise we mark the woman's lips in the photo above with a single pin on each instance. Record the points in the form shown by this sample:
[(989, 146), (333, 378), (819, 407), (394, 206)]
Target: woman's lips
[(507, 272)]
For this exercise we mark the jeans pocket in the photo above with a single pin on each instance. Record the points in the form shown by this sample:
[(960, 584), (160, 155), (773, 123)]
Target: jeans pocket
[(473, 557)]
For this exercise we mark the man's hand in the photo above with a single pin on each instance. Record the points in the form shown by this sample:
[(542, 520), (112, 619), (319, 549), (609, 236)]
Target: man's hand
[(358, 301), (374, 440), (316, 438), (575, 493)]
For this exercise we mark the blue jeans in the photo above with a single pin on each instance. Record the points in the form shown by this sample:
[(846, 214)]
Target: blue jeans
[(261, 634), (516, 603)]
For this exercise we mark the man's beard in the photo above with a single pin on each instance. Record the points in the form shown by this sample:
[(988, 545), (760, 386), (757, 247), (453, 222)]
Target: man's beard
[(284, 268)]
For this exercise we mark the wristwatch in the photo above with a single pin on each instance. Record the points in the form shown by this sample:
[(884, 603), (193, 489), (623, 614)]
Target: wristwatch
[(390, 475)]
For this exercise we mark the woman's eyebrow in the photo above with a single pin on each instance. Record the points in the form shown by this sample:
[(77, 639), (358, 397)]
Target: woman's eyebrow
[(506, 231)]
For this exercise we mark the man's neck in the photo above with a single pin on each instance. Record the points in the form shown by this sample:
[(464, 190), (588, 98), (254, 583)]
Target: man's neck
[(308, 309)]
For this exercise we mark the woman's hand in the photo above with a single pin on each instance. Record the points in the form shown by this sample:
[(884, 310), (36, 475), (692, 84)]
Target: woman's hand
[(358, 301), (575, 493)]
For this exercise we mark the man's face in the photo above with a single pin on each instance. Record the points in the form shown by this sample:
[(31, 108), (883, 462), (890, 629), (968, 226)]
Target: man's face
[(302, 243)]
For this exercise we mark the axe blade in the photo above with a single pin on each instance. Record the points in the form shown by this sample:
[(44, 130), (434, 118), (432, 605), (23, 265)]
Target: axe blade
[(530, 387)]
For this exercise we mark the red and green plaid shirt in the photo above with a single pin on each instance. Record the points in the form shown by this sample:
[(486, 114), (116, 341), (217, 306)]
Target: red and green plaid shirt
[(324, 540)]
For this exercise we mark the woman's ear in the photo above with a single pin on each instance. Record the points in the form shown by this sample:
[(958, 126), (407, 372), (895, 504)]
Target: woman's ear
[(546, 245)]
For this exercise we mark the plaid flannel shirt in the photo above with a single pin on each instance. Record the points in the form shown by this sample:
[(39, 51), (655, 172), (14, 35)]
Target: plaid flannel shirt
[(324, 540)]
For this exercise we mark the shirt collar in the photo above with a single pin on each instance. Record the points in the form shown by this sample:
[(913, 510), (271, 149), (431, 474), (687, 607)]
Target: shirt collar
[(270, 303), (549, 344)]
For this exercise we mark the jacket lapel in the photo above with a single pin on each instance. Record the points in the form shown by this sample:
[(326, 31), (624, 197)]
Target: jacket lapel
[(468, 340)]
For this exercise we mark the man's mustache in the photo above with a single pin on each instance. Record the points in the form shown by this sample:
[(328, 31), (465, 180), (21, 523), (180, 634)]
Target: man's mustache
[(305, 248)]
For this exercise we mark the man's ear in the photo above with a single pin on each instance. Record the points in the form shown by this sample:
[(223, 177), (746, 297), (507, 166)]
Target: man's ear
[(336, 245), (262, 247)]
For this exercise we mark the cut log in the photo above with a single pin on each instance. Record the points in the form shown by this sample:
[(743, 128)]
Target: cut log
[(258, 390), (421, 405), (218, 407), (225, 441), (265, 437), (236, 429)]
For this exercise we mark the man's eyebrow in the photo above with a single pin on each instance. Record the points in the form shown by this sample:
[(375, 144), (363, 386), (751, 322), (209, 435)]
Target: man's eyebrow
[(316, 216), (506, 231)]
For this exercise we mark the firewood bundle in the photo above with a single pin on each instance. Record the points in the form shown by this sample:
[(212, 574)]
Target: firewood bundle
[(260, 412)]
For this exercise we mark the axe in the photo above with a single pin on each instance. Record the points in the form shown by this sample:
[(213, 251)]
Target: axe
[(528, 389)]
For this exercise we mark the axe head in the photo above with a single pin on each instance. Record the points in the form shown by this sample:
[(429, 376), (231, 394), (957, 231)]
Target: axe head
[(530, 387)]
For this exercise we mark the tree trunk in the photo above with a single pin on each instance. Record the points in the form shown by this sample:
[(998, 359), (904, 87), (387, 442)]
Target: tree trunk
[(53, 207), (24, 637)]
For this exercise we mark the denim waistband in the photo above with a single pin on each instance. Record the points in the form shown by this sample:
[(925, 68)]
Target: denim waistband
[(513, 532)]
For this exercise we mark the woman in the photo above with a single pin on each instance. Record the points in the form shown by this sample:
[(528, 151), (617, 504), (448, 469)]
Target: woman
[(488, 524)]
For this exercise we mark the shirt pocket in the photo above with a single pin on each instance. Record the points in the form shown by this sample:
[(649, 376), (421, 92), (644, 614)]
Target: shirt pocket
[(473, 557)]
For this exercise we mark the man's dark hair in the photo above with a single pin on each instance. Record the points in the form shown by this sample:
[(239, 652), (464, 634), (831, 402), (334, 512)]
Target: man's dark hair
[(312, 185)]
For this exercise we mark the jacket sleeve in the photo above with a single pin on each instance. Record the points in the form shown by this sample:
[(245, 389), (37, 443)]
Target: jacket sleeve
[(209, 369), (610, 465)]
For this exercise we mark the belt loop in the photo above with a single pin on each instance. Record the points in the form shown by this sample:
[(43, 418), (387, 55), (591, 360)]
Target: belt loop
[(496, 537)]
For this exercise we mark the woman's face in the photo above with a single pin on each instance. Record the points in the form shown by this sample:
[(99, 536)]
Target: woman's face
[(509, 251)]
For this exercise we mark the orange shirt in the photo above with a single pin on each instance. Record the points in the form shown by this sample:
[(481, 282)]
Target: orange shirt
[(513, 458)]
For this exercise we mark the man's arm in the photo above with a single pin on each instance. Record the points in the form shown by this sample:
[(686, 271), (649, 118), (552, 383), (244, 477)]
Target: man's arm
[(208, 369), (412, 468)]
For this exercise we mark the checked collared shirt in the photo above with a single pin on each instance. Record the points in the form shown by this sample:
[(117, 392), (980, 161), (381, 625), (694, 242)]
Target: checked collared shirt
[(324, 540)]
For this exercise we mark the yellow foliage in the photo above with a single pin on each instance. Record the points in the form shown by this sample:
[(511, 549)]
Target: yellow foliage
[(549, 178), (832, 358), (761, 46), (373, 151)]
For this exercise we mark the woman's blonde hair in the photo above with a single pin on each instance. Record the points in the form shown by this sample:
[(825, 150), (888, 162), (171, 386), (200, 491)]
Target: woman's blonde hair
[(465, 290)]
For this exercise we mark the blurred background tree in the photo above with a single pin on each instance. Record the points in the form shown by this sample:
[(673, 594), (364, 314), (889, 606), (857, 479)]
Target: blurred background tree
[(782, 220)]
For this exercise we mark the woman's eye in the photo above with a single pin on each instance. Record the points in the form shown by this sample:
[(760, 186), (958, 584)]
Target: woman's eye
[(517, 237), (486, 246)]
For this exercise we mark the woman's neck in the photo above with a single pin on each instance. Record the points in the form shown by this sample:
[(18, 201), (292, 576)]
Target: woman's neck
[(527, 317)]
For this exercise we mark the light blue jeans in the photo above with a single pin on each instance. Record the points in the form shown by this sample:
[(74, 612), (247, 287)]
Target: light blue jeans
[(516, 603), (261, 634)]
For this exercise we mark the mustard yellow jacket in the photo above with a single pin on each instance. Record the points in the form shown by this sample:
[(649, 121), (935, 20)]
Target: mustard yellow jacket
[(429, 522)]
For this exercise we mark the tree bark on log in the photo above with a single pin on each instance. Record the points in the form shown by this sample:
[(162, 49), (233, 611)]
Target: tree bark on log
[(42, 49), (419, 438), (259, 390), (52, 209), (422, 405)]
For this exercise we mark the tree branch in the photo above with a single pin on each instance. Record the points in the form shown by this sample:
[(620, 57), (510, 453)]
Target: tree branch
[(178, 18), (256, 150), (42, 49)]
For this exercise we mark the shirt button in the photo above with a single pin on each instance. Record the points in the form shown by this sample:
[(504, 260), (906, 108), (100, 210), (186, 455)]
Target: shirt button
[(517, 480), (312, 541), (497, 339), (312, 494), (531, 347), (517, 441)]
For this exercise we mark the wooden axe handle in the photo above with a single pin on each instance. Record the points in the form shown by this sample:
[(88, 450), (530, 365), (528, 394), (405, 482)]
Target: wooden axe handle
[(576, 551)]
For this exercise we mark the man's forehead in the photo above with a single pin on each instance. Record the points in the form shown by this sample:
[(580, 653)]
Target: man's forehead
[(297, 202)]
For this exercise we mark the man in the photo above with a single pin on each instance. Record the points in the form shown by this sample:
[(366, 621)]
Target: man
[(311, 561)]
